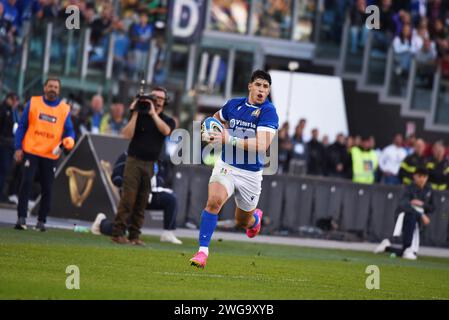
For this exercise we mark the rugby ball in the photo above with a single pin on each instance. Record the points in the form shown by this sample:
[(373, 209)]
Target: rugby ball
[(211, 124)]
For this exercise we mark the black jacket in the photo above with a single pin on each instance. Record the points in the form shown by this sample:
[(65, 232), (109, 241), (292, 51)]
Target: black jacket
[(412, 191), (316, 159), (7, 119), (336, 154), (408, 167), (438, 173)]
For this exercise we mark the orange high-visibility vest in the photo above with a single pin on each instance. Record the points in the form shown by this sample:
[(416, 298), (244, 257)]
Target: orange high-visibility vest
[(45, 128)]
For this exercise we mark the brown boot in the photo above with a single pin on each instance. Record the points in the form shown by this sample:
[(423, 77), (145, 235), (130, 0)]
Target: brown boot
[(120, 240), (137, 242)]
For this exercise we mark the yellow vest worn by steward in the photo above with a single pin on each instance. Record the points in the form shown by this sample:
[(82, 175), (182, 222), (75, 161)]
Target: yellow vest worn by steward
[(364, 165), (45, 128)]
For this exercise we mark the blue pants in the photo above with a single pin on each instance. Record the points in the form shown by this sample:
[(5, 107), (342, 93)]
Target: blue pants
[(6, 159), (160, 201), (46, 168), (392, 180)]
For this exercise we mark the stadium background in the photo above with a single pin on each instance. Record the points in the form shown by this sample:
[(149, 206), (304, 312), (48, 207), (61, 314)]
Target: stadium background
[(206, 61)]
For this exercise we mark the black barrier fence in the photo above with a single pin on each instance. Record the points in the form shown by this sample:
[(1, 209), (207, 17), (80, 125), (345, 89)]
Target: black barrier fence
[(291, 203)]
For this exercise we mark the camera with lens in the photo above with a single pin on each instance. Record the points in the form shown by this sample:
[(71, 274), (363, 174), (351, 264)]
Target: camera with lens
[(143, 106)]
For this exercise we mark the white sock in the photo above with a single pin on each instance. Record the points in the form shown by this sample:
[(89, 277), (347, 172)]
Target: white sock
[(205, 250)]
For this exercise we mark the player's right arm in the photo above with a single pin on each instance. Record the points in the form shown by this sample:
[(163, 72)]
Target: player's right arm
[(222, 114)]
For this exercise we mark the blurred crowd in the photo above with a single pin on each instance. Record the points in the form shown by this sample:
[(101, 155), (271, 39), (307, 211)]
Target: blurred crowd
[(358, 159), (91, 117), (132, 23), (416, 29)]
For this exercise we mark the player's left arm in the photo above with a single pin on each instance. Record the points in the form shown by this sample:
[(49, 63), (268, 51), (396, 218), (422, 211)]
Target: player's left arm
[(261, 142)]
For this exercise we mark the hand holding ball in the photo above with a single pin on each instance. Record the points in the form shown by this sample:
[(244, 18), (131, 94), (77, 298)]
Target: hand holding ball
[(209, 126)]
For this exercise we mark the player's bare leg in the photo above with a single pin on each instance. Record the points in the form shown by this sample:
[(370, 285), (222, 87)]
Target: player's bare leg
[(249, 220), (217, 197)]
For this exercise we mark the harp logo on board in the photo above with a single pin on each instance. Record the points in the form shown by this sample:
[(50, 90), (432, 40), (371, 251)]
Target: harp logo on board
[(80, 184)]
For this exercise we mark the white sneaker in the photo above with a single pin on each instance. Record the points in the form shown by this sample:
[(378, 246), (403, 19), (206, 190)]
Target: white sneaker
[(95, 228), (13, 198), (409, 254), (169, 236), (382, 246)]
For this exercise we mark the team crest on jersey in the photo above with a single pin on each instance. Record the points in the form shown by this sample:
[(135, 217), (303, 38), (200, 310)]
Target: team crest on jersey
[(224, 171), (256, 113)]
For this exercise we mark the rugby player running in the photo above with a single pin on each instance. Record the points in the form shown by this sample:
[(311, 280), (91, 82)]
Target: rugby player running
[(253, 123)]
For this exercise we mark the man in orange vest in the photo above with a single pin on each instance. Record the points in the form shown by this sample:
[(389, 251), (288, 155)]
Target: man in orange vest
[(44, 129)]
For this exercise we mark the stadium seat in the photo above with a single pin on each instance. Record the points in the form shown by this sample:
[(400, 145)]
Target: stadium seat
[(384, 201), (271, 200), (181, 189), (436, 234), (356, 205), (199, 180), (328, 199), (298, 203)]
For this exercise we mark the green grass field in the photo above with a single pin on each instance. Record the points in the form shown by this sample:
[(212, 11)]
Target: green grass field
[(33, 264)]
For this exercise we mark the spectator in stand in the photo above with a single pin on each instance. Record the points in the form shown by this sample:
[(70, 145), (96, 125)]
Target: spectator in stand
[(299, 150), (75, 110), (413, 161), (436, 9), (364, 162), (403, 52), (95, 114), (420, 34), (141, 34), (390, 161), (302, 124), (426, 58), (9, 118), (50, 10), (9, 28), (349, 143), (387, 25), (441, 37), (27, 9), (438, 166), (357, 141), (102, 25), (122, 46), (316, 155), (325, 141), (401, 19), (338, 158), (359, 32), (113, 122), (418, 10), (285, 148), (409, 144)]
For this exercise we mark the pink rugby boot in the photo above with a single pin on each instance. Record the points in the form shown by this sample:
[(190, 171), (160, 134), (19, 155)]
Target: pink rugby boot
[(251, 233), (199, 260)]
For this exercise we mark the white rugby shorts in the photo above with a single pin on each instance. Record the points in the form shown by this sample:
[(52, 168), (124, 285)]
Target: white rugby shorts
[(246, 184)]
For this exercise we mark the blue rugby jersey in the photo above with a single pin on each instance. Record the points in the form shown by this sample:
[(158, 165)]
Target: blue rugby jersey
[(244, 121)]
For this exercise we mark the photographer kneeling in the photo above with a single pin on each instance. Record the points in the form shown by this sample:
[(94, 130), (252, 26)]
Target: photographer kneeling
[(147, 129)]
